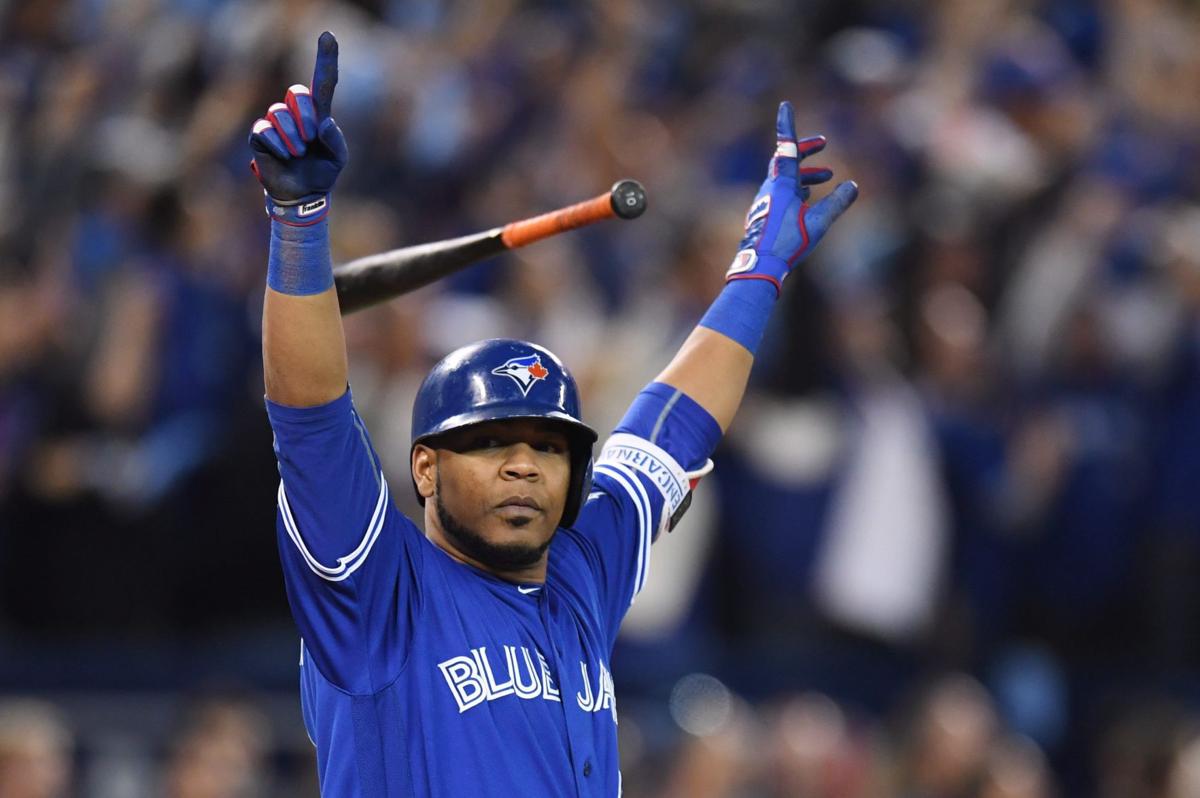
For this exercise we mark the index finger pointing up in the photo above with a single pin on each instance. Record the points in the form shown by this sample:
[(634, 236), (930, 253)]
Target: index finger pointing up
[(785, 160), (325, 75)]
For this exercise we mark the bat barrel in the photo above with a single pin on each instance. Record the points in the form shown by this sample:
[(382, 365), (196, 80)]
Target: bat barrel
[(526, 231)]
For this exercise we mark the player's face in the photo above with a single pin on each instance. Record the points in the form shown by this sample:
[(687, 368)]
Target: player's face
[(499, 491)]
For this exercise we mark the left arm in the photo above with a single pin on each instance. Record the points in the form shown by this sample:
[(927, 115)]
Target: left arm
[(646, 470), (713, 365), (705, 353)]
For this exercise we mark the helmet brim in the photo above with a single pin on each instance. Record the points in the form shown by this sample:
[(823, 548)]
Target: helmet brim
[(578, 431)]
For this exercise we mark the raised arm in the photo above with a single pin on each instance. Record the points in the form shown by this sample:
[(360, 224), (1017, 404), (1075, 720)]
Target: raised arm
[(347, 555), (298, 152), (713, 364), (647, 468), (662, 446)]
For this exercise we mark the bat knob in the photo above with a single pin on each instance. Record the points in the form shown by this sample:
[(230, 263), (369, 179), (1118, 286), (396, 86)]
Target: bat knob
[(628, 199)]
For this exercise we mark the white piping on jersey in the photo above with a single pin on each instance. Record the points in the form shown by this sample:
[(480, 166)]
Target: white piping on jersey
[(349, 563), (647, 529), (662, 417), (641, 501)]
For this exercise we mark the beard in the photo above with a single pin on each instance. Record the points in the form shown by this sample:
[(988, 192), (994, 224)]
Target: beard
[(497, 556)]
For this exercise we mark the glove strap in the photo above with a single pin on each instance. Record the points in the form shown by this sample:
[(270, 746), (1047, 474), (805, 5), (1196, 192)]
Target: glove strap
[(303, 212), (749, 265)]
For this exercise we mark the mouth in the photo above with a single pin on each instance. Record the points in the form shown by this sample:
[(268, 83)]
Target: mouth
[(521, 502)]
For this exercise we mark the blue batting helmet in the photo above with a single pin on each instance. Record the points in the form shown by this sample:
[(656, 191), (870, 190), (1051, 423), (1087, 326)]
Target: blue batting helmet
[(500, 379)]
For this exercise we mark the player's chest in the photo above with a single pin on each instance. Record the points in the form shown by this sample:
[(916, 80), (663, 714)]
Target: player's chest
[(523, 652)]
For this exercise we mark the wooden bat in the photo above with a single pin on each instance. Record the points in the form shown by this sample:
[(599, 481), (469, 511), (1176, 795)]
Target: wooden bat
[(376, 278)]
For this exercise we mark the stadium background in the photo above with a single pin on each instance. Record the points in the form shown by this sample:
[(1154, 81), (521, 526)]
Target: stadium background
[(951, 545)]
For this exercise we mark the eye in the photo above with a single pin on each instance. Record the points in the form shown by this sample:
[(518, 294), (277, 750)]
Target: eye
[(485, 442), (550, 447)]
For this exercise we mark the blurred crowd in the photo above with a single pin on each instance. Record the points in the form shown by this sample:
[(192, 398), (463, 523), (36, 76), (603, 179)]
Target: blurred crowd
[(950, 546), (946, 738), (216, 746)]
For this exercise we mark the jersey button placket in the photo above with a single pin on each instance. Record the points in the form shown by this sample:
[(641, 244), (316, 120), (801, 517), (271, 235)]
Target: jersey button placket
[(577, 734)]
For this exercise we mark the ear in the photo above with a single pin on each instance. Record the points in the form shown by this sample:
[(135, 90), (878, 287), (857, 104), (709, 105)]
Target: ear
[(424, 470)]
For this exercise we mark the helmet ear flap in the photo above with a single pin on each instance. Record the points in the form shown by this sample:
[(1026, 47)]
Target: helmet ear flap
[(581, 483), (585, 486)]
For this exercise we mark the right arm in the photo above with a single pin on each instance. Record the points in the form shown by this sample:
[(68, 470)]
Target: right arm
[(298, 152), (348, 557), (304, 349)]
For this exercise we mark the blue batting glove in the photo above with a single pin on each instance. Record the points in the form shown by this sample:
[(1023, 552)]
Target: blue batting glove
[(298, 148), (781, 227)]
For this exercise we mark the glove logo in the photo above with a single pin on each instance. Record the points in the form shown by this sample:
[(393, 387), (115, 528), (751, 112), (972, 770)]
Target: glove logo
[(309, 208), (524, 371), (742, 262), (759, 210)]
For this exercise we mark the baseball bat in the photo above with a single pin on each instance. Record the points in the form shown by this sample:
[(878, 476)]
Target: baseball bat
[(367, 281)]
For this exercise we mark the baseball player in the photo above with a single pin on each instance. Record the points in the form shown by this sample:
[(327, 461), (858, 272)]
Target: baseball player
[(472, 658)]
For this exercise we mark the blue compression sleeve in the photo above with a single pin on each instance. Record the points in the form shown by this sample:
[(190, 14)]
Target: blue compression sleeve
[(299, 263), (741, 311), (673, 421)]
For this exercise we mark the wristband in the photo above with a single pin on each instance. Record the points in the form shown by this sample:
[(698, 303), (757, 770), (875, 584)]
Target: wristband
[(299, 263), (741, 311)]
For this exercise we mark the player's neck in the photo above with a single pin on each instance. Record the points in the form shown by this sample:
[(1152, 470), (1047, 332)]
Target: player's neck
[(535, 573)]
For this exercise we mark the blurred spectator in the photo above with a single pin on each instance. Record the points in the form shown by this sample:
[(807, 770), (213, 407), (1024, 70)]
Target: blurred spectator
[(1139, 750), (1174, 543), (35, 750), (1184, 779), (949, 739), (815, 750), (880, 570), (1015, 769), (220, 753)]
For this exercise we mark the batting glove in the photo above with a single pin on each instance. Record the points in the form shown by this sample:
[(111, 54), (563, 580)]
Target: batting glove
[(781, 227), (298, 148)]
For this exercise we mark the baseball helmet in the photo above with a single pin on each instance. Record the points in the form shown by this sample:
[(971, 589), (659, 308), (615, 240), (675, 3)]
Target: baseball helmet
[(500, 379)]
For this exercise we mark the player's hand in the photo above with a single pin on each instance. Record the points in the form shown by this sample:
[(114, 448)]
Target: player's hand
[(781, 227), (298, 147)]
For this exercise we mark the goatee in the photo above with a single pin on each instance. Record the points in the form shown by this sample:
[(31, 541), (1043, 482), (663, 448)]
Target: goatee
[(497, 556)]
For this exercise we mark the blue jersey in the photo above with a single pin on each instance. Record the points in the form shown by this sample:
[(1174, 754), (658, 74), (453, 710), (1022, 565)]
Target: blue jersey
[(421, 675)]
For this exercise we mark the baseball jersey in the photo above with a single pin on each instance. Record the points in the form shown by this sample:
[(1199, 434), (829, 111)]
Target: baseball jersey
[(424, 676)]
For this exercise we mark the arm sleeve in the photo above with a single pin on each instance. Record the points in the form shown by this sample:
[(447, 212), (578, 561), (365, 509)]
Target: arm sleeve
[(641, 486), (348, 556)]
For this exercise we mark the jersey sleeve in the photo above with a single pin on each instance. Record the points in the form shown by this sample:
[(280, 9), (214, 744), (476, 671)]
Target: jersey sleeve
[(349, 557), (640, 489)]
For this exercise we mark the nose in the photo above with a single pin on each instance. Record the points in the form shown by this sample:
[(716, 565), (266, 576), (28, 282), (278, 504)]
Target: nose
[(520, 463)]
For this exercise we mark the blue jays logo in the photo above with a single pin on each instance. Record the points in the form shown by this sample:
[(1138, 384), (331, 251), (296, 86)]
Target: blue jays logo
[(524, 371)]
